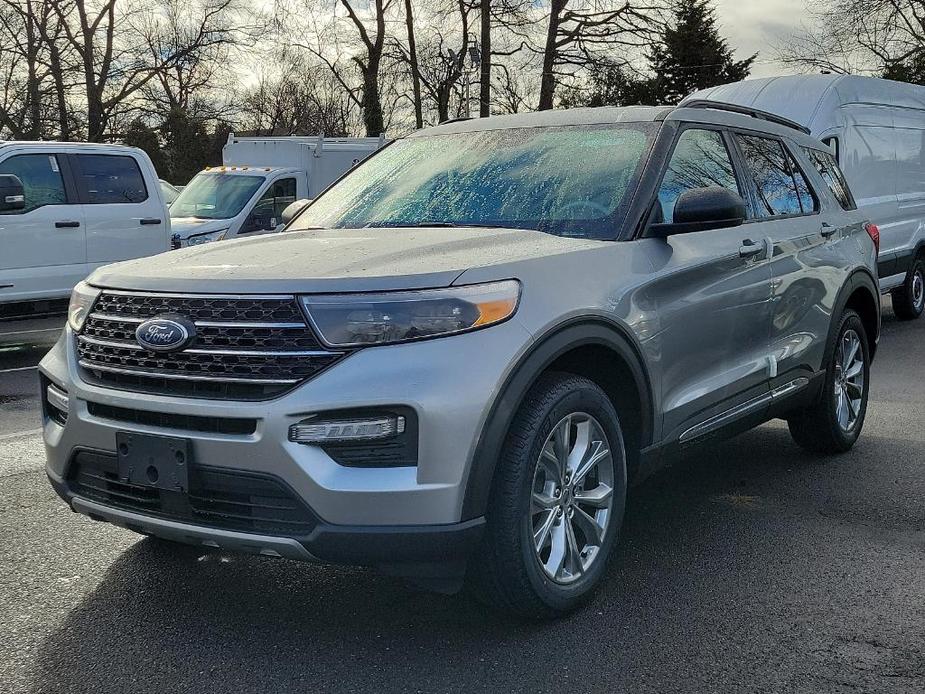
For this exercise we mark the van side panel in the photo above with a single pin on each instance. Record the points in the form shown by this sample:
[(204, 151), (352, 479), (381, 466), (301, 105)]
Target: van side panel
[(909, 132)]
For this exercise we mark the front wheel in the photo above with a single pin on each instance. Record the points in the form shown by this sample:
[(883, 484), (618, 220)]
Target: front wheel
[(557, 502), (834, 422)]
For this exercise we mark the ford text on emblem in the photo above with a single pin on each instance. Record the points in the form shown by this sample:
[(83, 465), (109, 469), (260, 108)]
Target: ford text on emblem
[(164, 334)]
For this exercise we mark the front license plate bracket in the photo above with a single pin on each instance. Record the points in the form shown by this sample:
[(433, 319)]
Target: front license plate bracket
[(161, 462)]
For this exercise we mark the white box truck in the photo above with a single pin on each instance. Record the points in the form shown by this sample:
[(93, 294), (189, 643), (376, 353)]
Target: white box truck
[(876, 129), (259, 178)]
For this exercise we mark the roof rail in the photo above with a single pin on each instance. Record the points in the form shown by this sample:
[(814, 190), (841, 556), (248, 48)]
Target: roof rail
[(458, 119), (745, 110)]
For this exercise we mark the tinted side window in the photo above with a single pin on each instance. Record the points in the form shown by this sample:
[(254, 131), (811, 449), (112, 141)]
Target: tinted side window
[(41, 180), (110, 178), (281, 193), (833, 177), (781, 188), (808, 200), (700, 159), (268, 211)]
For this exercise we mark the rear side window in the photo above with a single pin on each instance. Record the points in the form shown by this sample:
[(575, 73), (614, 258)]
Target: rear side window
[(832, 175), (110, 178), (700, 159), (782, 189), (41, 180)]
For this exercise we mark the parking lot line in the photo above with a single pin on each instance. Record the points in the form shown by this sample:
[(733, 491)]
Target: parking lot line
[(18, 368), (20, 434)]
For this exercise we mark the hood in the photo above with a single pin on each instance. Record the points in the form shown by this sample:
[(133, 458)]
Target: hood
[(185, 227), (334, 260)]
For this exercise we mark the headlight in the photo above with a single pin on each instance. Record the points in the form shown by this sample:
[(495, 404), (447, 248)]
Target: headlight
[(349, 320), (82, 299), (206, 238)]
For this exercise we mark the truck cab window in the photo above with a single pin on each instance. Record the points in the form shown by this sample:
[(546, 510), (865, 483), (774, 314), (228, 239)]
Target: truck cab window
[(700, 159), (108, 178), (268, 212), (41, 180)]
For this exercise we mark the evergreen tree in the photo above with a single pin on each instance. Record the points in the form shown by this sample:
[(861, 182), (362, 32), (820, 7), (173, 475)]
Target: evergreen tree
[(691, 54), (911, 69), (187, 145), (140, 135)]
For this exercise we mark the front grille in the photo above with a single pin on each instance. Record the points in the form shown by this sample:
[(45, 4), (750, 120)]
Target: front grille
[(247, 347), (253, 309), (217, 498), (170, 420)]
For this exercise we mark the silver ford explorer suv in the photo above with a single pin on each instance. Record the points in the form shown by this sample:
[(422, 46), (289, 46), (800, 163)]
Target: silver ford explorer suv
[(455, 359)]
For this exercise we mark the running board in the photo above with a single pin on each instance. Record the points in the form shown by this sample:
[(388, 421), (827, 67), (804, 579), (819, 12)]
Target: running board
[(715, 422)]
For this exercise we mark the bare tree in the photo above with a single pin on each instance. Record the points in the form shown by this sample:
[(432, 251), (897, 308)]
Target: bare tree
[(298, 98), (367, 23), (415, 67), (115, 47), (485, 58), (859, 36), (443, 59), (579, 32), (513, 89)]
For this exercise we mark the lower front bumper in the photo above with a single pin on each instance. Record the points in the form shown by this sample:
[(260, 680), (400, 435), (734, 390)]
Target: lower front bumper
[(418, 551)]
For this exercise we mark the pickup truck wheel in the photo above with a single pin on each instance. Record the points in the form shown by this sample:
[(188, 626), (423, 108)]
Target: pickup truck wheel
[(557, 502), (909, 299), (834, 422)]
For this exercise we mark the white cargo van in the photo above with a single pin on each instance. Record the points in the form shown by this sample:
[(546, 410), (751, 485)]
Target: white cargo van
[(65, 209), (876, 129), (259, 178)]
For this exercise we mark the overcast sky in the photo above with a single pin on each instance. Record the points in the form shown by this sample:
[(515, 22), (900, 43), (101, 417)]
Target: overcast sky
[(757, 25)]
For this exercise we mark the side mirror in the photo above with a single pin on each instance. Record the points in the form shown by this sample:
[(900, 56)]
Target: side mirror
[(701, 209), (12, 194), (293, 208)]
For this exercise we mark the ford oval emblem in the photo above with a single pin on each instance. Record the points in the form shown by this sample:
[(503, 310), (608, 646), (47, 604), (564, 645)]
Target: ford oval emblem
[(164, 334)]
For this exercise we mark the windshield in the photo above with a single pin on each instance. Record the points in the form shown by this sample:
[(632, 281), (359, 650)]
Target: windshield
[(567, 181), (215, 196)]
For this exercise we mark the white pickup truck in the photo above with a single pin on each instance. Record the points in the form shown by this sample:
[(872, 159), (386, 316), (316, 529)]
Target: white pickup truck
[(66, 209), (259, 178)]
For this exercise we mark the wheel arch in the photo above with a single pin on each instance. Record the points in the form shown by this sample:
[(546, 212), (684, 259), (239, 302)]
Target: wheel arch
[(576, 346), (861, 294)]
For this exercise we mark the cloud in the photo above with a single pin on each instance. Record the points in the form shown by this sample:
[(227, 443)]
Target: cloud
[(760, 25)]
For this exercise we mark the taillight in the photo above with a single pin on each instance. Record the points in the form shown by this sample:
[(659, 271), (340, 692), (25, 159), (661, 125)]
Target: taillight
[(874, 232)]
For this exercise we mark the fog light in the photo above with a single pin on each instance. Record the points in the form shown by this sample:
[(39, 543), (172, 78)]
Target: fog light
[(354, 429), (57, 403), (57, 398)]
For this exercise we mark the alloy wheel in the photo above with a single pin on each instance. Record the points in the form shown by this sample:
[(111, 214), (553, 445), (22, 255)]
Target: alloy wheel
[(849, 380), (572, 497)]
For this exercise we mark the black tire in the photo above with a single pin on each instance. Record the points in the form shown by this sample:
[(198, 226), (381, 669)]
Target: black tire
[(909, 299), (817, 428), (507, 573)]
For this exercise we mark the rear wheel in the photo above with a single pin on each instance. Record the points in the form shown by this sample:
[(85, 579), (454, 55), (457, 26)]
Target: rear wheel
[(557, 502), (834, 422), (909, 299)]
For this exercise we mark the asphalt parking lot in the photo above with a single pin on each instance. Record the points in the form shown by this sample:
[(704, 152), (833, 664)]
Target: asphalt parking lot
[(750, 567)]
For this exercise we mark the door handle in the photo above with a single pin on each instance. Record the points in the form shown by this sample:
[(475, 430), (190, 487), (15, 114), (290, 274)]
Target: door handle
[(827, 230), (149, 220), (68, 224), (750, 249)]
